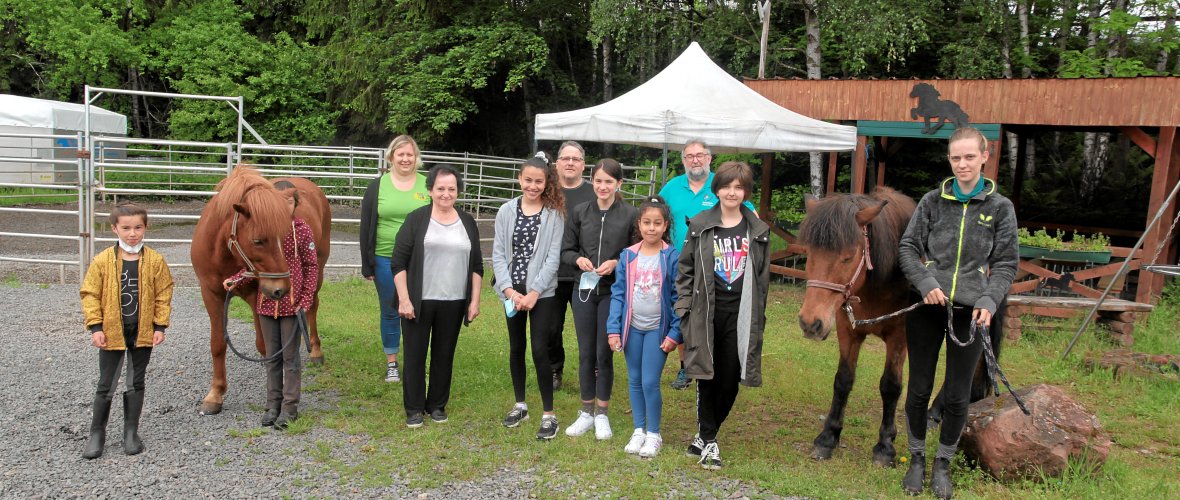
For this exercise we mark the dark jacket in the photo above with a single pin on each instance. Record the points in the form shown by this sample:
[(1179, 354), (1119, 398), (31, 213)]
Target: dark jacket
[(368, 230), (574, 197), (969, 250), (694, 286), (409, 254), (587, 225)]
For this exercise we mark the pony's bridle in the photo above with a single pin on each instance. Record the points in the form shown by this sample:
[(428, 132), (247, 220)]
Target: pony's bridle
[(236, 248), (866, 263)]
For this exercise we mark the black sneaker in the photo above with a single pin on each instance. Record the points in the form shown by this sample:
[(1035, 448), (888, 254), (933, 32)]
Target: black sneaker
[(391, 372), (711, 456), (284, 419), (515, 416), (696, 446), (268, 418), (414, 421), (438, 416), (681, 381), (556, 382), (548, 427)]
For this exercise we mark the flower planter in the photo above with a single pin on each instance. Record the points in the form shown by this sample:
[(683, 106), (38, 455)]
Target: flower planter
[(1094, 257)]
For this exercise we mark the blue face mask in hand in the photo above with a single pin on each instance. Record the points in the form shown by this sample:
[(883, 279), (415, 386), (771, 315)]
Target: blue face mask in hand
[(509, 308), (589, 280)]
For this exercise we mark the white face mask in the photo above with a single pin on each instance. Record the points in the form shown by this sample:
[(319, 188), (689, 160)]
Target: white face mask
[(131, 249)]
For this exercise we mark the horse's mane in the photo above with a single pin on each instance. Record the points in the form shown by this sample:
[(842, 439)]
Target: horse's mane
[(831, 225), (245, 185)]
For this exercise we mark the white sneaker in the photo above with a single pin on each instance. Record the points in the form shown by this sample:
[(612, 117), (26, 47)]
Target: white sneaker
[(602, 427), (636, 442), (651, 446), (584, 422)]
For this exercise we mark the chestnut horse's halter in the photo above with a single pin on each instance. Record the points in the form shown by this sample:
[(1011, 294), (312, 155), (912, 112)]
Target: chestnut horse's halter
[(236, 248), (866, 263)]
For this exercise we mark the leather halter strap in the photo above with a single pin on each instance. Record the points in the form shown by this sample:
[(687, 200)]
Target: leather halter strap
[(865, 263), (236, 248)]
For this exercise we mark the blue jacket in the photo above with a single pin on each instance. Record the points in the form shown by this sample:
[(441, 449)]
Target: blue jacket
[(619, 321)]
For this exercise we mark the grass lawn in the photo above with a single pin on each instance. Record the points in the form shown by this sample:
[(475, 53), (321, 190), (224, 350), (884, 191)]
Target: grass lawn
[(767, 439)]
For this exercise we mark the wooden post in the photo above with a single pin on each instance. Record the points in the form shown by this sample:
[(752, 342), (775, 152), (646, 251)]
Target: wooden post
[(764, 202), (882, 159), (833, 160), (1151, 283), (859, 161), (992, 168), (1018, 175)]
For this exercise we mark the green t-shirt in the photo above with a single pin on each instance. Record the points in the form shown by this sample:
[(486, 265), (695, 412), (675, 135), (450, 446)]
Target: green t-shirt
[(392, 207)]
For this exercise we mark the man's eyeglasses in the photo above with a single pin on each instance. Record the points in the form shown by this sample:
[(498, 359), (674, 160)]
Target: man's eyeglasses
[(698, 156), (575, 159)]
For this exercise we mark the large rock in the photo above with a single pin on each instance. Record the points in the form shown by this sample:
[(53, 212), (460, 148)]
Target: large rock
[(1011, 445)]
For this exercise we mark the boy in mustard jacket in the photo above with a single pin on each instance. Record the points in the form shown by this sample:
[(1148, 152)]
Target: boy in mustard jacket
[(126, 302)]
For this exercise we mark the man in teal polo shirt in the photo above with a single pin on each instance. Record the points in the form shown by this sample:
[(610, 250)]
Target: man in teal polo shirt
[(688, 195)]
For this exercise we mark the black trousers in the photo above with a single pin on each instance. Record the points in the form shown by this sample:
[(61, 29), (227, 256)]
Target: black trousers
[(925, 335), (564, 295), (594, 354), (538, 321), (435, 329), (110, 364), (715, 397), (283, 383)]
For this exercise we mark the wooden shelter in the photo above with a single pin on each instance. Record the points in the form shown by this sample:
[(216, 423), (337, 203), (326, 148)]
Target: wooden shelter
[(1137, 107)]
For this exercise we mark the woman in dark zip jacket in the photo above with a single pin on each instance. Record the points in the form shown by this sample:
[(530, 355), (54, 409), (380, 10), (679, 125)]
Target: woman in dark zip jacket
[(595, 234), (959, 248), (724, 276)]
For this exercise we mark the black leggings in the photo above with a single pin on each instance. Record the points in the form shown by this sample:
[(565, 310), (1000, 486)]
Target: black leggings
[(435, 329), (925, 335), (594, 353), (538, 321), (110, 362), (715, 397)]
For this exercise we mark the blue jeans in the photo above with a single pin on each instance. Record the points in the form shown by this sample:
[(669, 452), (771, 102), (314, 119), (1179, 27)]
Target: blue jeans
[(391, 323), (645, 364)]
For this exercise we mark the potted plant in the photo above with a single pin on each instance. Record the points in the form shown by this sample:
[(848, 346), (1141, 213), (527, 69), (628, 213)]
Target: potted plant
[(1080, 248)]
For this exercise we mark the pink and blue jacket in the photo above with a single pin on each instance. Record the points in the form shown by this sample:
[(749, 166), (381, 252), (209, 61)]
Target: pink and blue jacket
[(619, 321)]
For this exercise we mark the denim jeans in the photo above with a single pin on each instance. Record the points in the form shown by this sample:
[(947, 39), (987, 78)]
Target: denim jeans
[(391, 322)]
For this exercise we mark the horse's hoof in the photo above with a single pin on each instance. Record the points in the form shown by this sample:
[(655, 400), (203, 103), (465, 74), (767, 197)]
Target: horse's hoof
[(210, 408), (821, 453), (883, 460), (316, 360)]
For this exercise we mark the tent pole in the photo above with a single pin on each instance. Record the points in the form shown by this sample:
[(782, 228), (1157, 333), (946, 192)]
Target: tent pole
[(664, 166)]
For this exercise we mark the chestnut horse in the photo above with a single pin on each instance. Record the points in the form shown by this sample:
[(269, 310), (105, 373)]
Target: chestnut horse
[(249, 210), (852, 261)]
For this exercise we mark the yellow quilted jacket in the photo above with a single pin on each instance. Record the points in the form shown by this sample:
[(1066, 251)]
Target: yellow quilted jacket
[(100, 296)]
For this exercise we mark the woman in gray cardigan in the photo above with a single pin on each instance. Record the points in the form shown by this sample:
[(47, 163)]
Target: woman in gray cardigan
[(525, 256)]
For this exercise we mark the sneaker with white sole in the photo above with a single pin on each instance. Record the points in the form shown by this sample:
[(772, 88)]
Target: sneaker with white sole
[(548, 427), (681, 381), (391, 373), (651, 446), (515, 416), (711, 456), (636, 442), (695, 447), (602, 427), (584, 422)]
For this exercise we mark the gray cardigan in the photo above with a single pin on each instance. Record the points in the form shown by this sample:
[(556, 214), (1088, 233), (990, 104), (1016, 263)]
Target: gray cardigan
[(546, 252)]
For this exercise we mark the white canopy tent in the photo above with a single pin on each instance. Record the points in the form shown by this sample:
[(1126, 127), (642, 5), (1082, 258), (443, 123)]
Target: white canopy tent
[(693, 98), (26, 129)]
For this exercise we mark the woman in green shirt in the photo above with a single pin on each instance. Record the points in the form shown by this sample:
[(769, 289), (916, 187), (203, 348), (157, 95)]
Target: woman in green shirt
[(397, 191)]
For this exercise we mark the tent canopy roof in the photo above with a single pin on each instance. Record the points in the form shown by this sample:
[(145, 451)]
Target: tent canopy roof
[(54, 115), (693, 98)]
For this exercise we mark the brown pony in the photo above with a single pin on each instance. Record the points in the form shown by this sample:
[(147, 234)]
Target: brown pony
[(262, 219), (852, 251)]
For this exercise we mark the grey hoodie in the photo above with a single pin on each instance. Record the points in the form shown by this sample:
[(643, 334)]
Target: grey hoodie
[(542, 275), (968, 249)]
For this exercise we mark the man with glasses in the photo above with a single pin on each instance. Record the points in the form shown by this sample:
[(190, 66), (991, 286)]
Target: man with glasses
[(688, 195), (571, 165)]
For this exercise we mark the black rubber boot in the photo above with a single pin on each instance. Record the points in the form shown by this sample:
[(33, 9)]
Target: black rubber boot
[(915, 477), (98, 427), (132, 409), (940, 478)]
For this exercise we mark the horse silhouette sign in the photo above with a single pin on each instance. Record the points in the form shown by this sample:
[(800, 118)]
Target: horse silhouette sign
[(930, 107)]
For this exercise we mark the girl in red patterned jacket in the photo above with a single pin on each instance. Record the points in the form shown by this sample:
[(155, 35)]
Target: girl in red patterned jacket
[(278, 318)]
